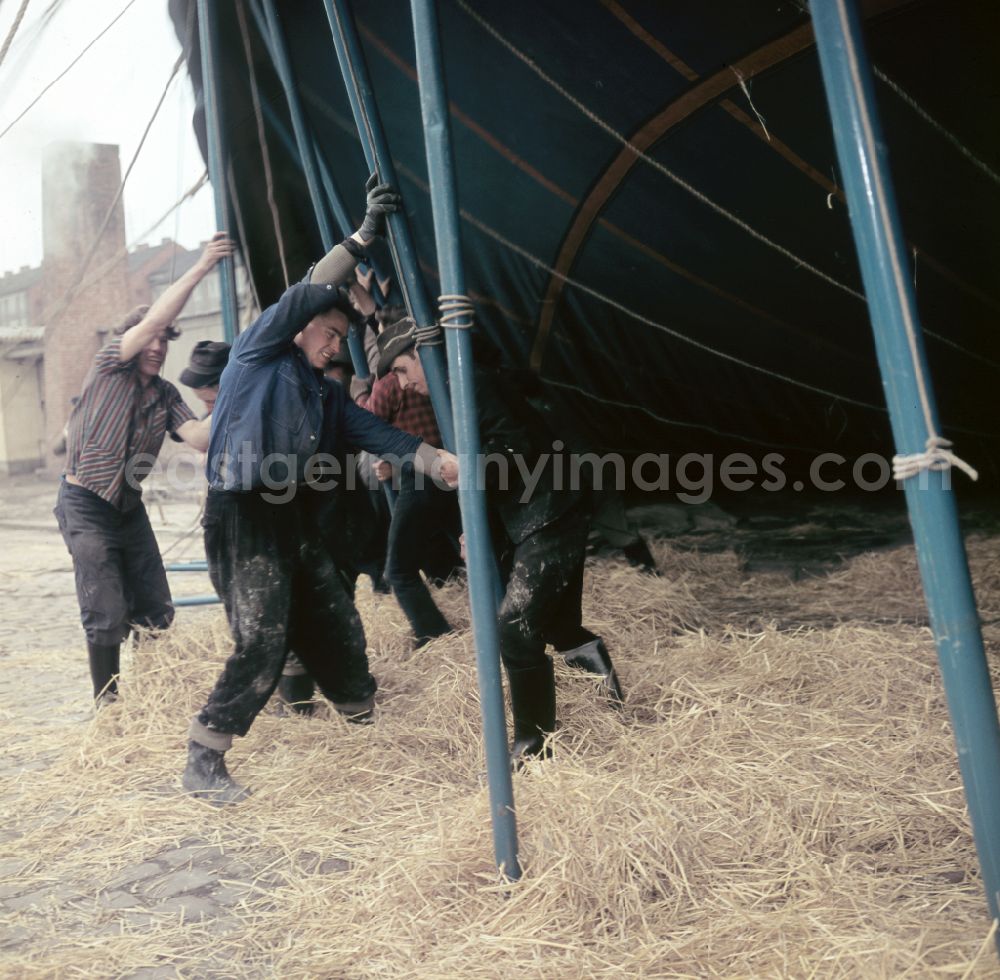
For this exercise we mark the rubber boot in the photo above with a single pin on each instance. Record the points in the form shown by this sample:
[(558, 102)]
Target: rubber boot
[(207, 778), (593, 657), (296, 691), (639, 556), (104, 671), (533, 705), (357, 712)]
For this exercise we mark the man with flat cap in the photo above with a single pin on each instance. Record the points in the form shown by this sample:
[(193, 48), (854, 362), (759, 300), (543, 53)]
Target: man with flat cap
[(425, 523), (278, 430), (540, 533), (204, 369)]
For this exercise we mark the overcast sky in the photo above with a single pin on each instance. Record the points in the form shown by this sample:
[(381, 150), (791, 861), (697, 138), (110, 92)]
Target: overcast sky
[(107, 97)]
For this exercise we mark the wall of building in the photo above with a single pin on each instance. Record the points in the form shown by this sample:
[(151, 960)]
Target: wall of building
[(22, 428)]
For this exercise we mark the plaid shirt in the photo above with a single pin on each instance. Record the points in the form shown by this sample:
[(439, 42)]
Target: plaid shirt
[(404, 409), (116, 419)]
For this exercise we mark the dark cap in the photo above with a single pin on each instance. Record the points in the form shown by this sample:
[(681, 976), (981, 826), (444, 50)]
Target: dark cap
[(392, 342), (206, 364)]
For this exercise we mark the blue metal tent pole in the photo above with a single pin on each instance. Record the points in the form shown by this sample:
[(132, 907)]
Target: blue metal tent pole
[(333, 199), (319, 182), (303, 140), (217, 159), (354, 340), (358, 358), (344, 220), (340, 215), (944, 568), (366, 117), (457, 319)]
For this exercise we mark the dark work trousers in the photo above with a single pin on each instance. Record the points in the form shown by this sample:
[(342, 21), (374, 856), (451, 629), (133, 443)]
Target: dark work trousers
[(371, 560), (544, 592), (281, 589), (120, 581), (420, 514)]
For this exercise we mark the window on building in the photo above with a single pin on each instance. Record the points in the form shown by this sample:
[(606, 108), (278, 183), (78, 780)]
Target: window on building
[(14, 310)]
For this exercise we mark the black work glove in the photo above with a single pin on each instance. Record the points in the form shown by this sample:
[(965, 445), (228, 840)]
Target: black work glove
[(382, 200)]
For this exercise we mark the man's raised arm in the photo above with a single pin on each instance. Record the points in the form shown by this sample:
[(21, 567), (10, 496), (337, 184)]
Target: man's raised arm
[(337, 266), (168, 305)]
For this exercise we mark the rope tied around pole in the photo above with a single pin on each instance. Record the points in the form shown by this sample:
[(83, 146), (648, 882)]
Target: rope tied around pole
[(457, 311), (428, 336), (936, 456)]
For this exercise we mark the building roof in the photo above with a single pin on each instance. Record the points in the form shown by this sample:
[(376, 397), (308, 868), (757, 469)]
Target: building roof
[(155, 256), (16, 282), (143, 254), (169, 271), (19, 335)]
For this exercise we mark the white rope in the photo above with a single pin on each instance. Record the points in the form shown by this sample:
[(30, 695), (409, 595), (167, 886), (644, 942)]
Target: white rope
[(949, 136), (457, 311), (8, 40), (534, 260), (666, 171), (35, 100), (406, 172), (428, 336), (57, 310), (262, 140), (936, 456), (746, 92), (684, 425), (688, 187)]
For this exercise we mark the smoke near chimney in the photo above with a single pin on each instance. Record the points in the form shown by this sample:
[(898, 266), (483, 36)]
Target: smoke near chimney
[(79, 185)]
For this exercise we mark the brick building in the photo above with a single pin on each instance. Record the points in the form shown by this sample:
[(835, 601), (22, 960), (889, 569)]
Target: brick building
[(54, 318)]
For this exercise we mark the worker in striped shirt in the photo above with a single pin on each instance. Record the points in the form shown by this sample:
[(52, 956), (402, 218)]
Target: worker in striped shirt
[(115, 433)]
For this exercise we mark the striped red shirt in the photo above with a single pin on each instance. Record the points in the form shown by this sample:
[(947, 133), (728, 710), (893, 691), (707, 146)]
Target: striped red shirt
[(117, 419)]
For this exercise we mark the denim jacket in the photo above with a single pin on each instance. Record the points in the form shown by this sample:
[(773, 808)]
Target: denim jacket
[(274, 411)]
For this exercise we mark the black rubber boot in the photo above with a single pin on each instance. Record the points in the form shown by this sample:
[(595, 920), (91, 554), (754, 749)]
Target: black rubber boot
[(207, 778), (104, 671), (639, 556), (296, 691), (357, 712), (593, 657), (533, 705)]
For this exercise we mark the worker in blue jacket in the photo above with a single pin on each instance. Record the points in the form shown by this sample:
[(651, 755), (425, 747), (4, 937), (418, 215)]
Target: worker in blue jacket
[(278, 439)]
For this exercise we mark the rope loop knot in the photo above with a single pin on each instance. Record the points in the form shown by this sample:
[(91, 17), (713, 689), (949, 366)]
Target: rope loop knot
[(936, 456), (428, 336)]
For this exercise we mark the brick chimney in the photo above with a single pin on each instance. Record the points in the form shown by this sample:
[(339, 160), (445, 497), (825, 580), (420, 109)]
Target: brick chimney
[(79, 183)]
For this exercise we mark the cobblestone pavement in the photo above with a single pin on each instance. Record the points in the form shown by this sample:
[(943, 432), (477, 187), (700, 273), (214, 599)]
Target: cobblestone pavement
[(198, 879)]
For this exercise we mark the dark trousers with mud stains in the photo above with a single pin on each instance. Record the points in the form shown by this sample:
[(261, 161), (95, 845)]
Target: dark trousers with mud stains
[(120, 580), (544, 592), (282, 590), (423, 513)]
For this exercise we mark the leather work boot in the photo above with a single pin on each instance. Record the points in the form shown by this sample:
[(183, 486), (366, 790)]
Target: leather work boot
[(207, 778), (533, 706), (593, 657)]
